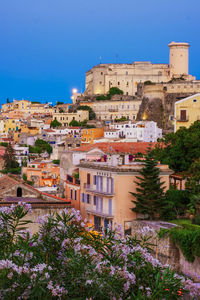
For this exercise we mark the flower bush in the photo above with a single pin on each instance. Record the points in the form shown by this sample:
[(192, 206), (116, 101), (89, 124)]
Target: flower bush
[(67, 260)]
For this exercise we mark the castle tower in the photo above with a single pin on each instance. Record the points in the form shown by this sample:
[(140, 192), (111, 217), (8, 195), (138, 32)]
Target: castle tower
[(178, 58)]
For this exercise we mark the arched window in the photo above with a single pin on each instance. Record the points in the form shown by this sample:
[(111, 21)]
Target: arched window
[(19, 192)]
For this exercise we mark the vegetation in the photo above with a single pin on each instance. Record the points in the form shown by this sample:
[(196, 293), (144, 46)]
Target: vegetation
[(122, 119), (55, 124), (149, 192), (187, 238), (56, 161), (83, 124), (92, 115), (24, 177), (175, 203), (40, 146), (181, 149), (59, 103), (35, 102), (113, 91), (148, 82), (10, 163), (66, 260), (4, 144)]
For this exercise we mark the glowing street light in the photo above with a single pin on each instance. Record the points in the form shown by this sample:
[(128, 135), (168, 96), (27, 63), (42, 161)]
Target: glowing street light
[(74, 91)]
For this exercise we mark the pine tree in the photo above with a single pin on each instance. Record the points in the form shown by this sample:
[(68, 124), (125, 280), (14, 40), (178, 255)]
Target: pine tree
[(9, 158), (150, 191)]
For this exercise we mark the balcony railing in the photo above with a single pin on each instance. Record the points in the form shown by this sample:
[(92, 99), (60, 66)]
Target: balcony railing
[(113, 109), (93, 189), (181, 119)]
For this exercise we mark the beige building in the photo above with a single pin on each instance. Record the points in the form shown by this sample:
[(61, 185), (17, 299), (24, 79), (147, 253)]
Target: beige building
[(187, 111), (66, 118), (126, 76), (114, 109), (105, 192)]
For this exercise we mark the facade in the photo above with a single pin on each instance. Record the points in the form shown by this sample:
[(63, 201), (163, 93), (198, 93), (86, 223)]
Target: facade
[(90, 134), (107, 110), (21, 153), (126, 76), (186, 111), (66, 118), (143, 131), (42, 173), (105, 191), (72, 191)]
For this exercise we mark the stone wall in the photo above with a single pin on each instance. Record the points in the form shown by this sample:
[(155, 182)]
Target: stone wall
[(39, 212), (166, 251)]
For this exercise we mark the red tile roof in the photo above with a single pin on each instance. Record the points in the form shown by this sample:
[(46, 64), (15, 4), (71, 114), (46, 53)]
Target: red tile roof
[(121, 147)]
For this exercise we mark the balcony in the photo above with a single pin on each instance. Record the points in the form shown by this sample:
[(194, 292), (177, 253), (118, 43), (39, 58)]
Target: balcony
[(186, 119), (94, 190), (113, 109), (98, 213)]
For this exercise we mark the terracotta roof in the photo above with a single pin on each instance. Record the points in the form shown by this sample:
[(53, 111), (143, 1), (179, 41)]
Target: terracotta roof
[(49, 130), (126, 147), (48, 121), (6, 183)]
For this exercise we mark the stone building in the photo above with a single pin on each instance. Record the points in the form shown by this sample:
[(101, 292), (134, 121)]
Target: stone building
[(66, 118), (102, 77)]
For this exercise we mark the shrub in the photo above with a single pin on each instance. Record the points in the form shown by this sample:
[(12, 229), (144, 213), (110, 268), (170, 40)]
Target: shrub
[(56, 161), (67, 260), (196, 220)]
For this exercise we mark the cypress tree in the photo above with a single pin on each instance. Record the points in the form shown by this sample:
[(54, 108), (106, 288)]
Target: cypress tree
[(9, 158), (150, 190)]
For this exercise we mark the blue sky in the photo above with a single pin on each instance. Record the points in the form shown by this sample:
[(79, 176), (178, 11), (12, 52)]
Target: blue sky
[(46, 46)]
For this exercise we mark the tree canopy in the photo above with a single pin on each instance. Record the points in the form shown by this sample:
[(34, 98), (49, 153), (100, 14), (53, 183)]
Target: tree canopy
[(180, 149), (55, 124)]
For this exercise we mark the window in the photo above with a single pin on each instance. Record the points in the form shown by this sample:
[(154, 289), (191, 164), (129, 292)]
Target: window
[(82, 197), (75, 195), (88, 198), (88, 179), (110, 206), (95, 179), (71, 194), (95, 200), (195, 100), (118, 83), (183, 115), (101, 73)]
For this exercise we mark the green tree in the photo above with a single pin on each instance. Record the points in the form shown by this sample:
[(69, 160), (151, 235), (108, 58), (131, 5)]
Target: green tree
[(45, 146), (175, 203), (149, 195), (10, 161), (59, 103), (74, 123), (115, 91), (55, 124), (92, 114), (179, 150)]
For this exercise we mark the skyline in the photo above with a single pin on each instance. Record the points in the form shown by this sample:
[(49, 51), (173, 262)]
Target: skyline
[(47, 46)]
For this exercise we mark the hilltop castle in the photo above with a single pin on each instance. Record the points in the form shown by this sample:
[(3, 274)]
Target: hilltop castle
[(126, 76)]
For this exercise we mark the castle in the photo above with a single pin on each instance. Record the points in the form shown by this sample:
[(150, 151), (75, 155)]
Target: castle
[(127, 76)]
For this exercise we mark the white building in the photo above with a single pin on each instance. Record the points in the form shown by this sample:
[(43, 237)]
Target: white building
[(143, 131), (21, 153)]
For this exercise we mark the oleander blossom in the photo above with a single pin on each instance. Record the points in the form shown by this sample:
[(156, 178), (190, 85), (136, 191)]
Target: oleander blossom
[(66, 260)]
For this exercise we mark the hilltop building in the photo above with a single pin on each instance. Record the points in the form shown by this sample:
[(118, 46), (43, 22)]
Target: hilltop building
[(102, 77)]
